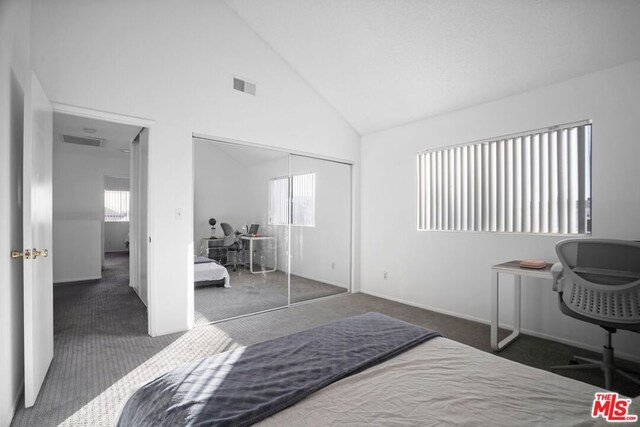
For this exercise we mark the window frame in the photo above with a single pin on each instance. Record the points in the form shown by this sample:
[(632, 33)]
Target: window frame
[(486, 176), (290, 200)]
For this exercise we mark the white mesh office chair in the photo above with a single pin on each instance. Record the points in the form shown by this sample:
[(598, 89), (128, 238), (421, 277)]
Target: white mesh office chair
[(233, 245), (598, 281)]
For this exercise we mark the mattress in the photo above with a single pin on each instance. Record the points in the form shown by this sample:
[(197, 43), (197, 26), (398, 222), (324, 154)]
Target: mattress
[(206, 270), (443, 382)]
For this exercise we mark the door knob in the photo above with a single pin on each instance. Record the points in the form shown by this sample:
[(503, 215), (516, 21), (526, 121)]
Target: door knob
[(18, 254), (43, 253)]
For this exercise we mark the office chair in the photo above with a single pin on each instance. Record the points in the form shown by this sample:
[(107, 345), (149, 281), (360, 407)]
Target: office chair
[(598, 281), (233, 245)]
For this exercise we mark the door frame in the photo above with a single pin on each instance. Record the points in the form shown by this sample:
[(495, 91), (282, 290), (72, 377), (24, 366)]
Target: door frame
[(152, 318), (352, 241)]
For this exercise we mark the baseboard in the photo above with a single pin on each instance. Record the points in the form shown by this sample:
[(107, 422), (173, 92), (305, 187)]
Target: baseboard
[(73, 281), (304, 276), (596, 349)]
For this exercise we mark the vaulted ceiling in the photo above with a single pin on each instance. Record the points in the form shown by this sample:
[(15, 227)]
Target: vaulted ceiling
[(382, 63)]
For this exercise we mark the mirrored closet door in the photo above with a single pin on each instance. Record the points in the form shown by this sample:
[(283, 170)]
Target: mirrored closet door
[(320, 230), (271, 229), (241, 259)]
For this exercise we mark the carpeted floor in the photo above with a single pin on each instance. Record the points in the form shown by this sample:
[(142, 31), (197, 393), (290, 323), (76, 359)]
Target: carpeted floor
[(250, 293), (102, 349)]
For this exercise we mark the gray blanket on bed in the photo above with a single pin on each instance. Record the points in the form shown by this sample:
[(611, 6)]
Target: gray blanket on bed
[(246, 385)]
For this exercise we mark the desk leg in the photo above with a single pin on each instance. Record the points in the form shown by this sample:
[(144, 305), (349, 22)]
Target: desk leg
[(495, 345), (495, 302), (251, 256), (517, 301)]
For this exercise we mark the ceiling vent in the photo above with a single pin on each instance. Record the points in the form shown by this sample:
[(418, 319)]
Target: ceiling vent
[(82, 140), (244, 86)]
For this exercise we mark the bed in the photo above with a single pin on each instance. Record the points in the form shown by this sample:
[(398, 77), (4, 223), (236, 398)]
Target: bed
[(432, 381), (207, 272)]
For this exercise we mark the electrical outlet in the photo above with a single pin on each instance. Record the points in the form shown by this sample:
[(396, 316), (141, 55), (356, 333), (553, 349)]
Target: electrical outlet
[(385, 275)]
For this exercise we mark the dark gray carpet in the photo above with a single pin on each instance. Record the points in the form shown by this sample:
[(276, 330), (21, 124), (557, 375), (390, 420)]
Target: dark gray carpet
[(102, 349), (251, 293)]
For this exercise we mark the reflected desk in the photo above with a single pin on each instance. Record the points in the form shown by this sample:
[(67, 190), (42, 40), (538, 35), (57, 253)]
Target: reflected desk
[(251, 240), (511, 267)]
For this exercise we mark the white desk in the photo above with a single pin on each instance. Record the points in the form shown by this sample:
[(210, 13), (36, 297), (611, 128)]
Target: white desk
[(252, 239), (511, 267)]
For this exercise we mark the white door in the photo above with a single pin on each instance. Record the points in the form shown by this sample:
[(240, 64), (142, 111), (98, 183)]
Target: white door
[(37, 238)]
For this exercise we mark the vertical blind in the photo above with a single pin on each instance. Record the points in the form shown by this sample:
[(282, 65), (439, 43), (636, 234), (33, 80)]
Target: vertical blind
[(116, 206), (279, 201), (292, 200), (537, 182)]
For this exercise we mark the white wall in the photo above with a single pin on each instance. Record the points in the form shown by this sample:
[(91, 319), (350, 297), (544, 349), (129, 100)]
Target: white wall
[(450, 271), (173, 62), (78, 204), (15, 77), (222, 188), (115, 235)]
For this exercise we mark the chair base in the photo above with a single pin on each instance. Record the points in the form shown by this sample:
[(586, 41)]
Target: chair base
[(606, 365)]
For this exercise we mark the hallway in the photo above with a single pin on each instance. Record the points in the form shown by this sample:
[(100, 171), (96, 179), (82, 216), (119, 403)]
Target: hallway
[(96, 324)]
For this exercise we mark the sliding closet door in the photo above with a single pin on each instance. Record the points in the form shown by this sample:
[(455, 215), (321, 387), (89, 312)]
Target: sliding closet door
[(246, 188), (320, 217)]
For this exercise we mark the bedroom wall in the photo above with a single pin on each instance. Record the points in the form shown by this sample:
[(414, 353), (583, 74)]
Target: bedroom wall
[(449, 271), (175, 66), (15, 77), (78, 206), (220, 191)]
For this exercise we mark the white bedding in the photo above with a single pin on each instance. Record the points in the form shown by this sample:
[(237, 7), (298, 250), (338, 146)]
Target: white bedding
[(443, 382), (210, 271)]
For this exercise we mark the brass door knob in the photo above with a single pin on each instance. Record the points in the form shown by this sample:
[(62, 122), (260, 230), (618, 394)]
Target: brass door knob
[(42, 253), (17, 254)]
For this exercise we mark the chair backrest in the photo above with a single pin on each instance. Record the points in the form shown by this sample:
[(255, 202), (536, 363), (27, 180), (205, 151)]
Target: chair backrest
[(601, 278), (227, 229)]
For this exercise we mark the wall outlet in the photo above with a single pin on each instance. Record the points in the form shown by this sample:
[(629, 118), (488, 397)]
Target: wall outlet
[(385, 275)]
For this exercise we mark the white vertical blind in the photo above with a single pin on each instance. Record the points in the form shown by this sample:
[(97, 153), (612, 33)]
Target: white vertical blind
[(292, 200), (279, 201), (303, 200), (535, 182), (116, 206)]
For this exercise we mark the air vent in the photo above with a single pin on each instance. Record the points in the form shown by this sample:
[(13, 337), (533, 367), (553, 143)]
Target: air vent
[(244, 86), (82, 140)]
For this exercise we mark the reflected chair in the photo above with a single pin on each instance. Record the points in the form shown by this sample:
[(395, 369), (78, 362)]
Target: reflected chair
[(233, 245), (598, 281)]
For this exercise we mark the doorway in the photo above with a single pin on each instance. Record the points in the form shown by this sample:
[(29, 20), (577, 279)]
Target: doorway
[(271, 229), (100, 193)]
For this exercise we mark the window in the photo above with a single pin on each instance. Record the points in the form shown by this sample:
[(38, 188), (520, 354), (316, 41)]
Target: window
[(301, 209), (116, 206), (535, 182)]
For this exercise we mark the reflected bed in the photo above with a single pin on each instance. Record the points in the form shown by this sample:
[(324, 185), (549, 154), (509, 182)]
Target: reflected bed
[(207, 272)]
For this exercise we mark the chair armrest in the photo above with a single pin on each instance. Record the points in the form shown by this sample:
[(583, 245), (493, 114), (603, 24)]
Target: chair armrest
[(556, 274)]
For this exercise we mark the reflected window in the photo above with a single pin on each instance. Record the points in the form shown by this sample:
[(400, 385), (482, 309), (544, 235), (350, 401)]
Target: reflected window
[(292, 200)]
